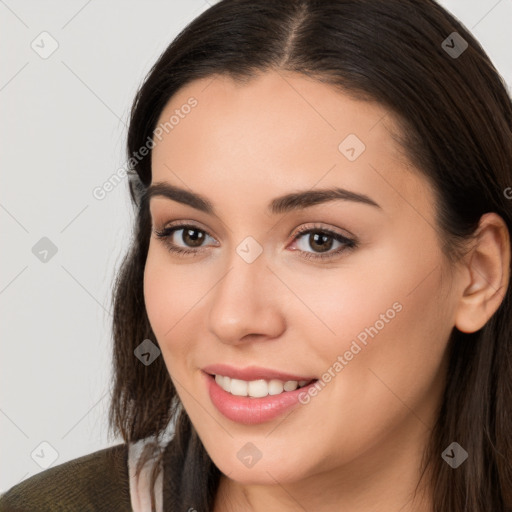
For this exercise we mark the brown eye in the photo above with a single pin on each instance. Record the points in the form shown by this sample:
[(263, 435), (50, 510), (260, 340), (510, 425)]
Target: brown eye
[(192, 237), (321, 240)]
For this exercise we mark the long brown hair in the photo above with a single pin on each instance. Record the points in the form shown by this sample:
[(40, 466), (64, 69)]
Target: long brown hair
[(455, 116)]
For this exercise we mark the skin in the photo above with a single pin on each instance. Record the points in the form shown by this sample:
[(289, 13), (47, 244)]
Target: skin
[(357, 445)]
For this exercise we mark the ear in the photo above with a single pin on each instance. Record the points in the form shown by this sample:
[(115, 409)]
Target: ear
[(486, 273)]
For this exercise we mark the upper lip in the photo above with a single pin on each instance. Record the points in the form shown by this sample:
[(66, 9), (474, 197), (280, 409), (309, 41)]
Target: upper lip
[(253, 373)]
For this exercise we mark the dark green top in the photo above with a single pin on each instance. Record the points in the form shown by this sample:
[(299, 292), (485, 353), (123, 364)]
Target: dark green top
[(95, 482)]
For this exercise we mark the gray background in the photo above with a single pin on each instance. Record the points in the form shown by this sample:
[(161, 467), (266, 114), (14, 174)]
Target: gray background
[(63, 128)]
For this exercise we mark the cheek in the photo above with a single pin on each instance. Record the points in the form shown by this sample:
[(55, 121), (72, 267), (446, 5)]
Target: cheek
[(155, 297), (385, 356), (393, 290), (347, 301), (172, 295), (384, 312), (391, 326), (160, 296), (169, 290)]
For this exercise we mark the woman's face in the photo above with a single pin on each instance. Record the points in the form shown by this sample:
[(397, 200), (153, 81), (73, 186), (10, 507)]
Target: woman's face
[(370, 320)]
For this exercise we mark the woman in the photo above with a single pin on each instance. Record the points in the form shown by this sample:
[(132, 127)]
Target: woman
[(369, 374)]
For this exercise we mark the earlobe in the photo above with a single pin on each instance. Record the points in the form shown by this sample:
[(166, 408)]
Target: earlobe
[(487, 269)]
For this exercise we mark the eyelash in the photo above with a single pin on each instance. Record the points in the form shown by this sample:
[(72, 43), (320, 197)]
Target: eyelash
[(348, 243)]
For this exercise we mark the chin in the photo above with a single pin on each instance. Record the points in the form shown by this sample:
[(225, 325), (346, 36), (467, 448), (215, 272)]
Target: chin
[(262, 472)]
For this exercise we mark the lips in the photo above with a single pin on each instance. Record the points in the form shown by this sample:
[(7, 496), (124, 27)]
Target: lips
[(253, 373), (247, 410)]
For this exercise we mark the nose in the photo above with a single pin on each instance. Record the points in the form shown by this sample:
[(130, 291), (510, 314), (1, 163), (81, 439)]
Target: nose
[(246, 303)]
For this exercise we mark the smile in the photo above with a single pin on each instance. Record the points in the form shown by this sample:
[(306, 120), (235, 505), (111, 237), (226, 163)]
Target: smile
[(257, 388), (274, 397)]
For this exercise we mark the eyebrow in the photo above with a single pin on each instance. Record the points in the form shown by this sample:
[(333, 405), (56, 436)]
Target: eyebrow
[(283, 204)]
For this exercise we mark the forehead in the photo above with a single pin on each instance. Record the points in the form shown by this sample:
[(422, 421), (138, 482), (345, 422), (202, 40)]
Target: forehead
[(279, 132)]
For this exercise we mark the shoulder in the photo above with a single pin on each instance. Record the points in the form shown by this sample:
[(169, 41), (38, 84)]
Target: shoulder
[(88, 483)]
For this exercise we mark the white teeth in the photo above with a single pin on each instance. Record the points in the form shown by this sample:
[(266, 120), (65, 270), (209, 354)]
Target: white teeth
[(275, 387), (219, 379), (291, 385), (257, 388), (238, 387)]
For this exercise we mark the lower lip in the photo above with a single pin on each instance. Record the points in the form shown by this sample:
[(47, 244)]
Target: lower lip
[(251, 411)]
